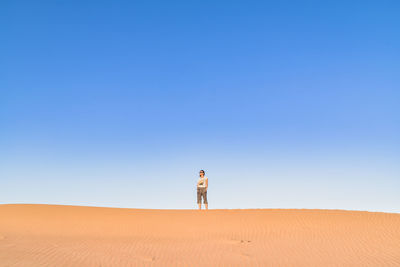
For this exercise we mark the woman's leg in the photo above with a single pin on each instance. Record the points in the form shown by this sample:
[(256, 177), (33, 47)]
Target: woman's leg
[(199, 198), (205, 198)]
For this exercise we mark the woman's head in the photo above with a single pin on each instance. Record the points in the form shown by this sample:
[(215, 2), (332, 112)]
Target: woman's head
[(202, 173)]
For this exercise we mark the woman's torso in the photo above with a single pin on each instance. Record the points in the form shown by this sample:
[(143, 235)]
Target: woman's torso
[(202, 182)]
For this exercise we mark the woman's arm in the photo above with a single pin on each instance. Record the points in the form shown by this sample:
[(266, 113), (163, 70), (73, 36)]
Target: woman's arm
[(206, 183)]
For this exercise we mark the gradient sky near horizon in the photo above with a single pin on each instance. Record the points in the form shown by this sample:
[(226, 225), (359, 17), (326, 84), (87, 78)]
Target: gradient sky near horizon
[(284, 104)]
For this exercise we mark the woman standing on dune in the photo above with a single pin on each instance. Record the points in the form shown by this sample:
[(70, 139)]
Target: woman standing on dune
[(202, 185)]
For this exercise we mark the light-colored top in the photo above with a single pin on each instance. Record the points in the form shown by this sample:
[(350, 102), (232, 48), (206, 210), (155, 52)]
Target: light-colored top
[(202, 182)]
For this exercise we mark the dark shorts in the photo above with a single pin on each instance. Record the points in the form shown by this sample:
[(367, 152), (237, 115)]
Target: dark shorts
[(202, 192)]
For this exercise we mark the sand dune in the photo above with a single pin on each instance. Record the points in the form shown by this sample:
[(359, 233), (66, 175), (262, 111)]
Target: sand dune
[(58, 235)]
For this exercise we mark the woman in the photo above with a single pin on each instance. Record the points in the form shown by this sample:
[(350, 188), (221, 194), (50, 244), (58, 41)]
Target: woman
[(202, 185)]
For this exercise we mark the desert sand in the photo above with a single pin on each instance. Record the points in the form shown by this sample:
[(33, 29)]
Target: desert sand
[(61, 235)]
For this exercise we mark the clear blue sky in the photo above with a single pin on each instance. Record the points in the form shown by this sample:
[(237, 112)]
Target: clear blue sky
[(284, 104)]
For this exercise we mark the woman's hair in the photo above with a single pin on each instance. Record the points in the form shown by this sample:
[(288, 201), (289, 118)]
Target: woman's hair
[(203, 172)]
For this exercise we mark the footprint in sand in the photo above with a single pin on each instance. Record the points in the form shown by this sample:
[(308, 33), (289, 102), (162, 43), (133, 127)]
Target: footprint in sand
[(242, 241)]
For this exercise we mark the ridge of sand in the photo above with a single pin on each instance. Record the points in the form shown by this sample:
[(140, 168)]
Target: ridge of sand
[(63, 235)]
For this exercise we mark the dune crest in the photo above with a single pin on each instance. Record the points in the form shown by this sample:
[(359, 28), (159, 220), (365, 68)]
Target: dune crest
[(61, 235)]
